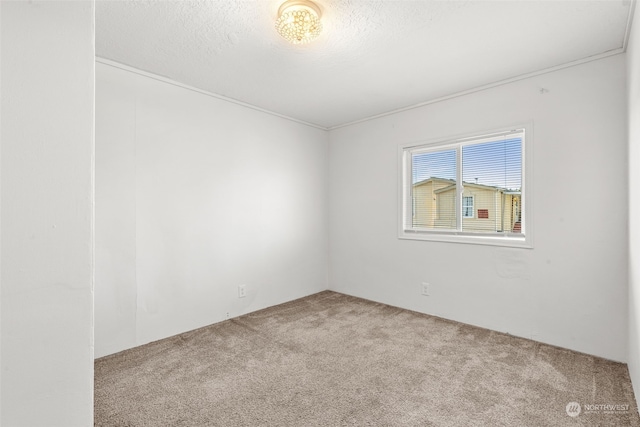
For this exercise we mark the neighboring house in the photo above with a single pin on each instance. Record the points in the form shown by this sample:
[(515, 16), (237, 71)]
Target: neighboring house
[(484, 208)]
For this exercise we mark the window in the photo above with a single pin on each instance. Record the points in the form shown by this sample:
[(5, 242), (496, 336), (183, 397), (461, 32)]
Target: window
[(467, 206), (469, 190)]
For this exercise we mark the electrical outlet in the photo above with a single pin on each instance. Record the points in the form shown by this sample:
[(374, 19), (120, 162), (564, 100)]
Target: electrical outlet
[(242, 291), (425, 289), (227, 314)]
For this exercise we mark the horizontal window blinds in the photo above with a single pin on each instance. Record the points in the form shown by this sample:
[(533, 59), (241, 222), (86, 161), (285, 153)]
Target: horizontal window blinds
[(468, 186)]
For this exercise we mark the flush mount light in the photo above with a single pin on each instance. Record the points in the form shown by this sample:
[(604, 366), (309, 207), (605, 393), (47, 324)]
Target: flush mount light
[(299, 21)]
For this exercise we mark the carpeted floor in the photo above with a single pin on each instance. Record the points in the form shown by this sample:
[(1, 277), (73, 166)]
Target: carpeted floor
[(334, 360)]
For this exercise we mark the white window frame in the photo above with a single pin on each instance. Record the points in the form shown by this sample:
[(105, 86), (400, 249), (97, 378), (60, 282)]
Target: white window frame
[(472, 206), (518, 240)]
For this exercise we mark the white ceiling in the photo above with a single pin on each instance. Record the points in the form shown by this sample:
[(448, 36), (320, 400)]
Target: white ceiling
[(373, 56)]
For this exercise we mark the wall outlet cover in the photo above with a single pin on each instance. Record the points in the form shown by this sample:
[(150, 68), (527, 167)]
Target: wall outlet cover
[(425, 288)]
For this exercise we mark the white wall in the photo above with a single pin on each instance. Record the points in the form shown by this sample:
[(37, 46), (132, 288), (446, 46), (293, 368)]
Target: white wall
[(633, 99), (571, 289), (47, 213), (0, 216), (195, 196)]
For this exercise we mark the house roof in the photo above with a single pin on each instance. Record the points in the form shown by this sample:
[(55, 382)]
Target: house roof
[(425, 181), (452, 185)]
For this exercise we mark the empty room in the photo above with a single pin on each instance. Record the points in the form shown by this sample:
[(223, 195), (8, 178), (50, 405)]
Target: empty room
[(319, 213)]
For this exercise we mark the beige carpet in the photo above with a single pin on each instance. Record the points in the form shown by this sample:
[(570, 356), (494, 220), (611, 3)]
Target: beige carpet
[(333, 360)]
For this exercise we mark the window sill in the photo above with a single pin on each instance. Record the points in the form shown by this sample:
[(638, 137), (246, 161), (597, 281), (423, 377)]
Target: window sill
[(512, 241)]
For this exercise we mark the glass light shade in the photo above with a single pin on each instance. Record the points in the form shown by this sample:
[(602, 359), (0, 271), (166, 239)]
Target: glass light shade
[(299, 21)]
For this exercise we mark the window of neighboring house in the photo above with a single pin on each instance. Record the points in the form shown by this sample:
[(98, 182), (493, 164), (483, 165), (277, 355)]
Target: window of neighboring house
[(467, 206), (444, 183)]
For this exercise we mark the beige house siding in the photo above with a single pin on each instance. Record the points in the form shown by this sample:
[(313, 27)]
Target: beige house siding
[(483, 199), (426, 208), (507, 211), (435, 207), (446, 209)]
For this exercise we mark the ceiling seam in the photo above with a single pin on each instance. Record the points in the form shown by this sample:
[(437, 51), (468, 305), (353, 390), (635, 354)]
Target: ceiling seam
[(167, 80), (485, 87), (627, 31), (592, 58)]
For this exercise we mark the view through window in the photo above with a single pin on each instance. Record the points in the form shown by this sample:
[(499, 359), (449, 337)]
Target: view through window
[(472, 186)]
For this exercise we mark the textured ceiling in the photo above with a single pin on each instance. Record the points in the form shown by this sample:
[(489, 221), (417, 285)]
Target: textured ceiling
[(372, 57)]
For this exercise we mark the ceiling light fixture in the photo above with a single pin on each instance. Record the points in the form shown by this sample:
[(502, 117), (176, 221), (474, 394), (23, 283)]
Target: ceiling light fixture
[(299, 21)]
